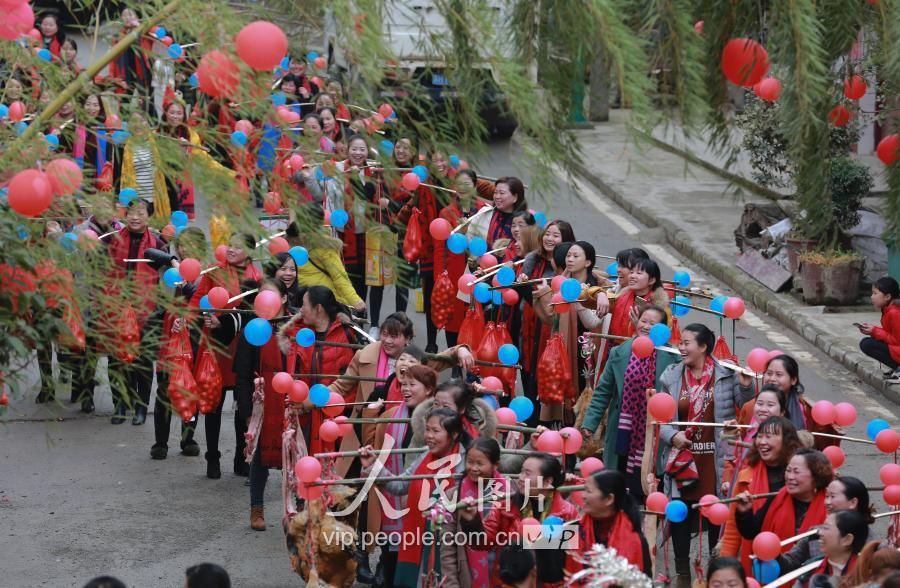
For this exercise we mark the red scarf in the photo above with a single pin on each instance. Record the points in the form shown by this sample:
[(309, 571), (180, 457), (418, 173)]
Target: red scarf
[(622, 537), (620, 323), (759, 484), (143, 278), (825, 568), (780, 517)]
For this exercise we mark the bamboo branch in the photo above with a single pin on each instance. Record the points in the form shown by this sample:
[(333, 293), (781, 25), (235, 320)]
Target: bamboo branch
[(384, 480), (340, 377), (432, 186), (357, 453), (471, 218), (736, 499)]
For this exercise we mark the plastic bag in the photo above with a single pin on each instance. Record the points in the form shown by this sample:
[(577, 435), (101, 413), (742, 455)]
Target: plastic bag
[(442, 300), (208, 377), (471, 330), (128, 334), (412, 242), (554, 374), (182, 385)]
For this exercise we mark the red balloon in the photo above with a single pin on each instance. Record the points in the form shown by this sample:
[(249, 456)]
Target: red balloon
[(463, 283), (589, 465), (890, 474), (561, 306), (758, 359), (112, 122), (278, 245), (844, 414), (329, 431), (261, 45), (410, 181), (221, 253), (65, 176), (167, 41), (308, 492), (855, 87), (218, 297), (510, 297), (308, 469), (769, 89), (189, 269), (440, 229), (299, 392), (320, 62), (492, 383), (717, 513), (35, 35), (30, 192), (295, 162), (657, 502), (835, 455), (244, 126), (572, 440), (331, 409), (556, 283), (16, 111), (531, 529), (642, 346), (488, 260), (698, 27), (744, 62), (839, 115), (282, 382), (344, 427), (734, 308), (272, 202), (887, 441), (550, 442), (17, 21), (385, 110), (168, 231), (892, 495), (506, 416), (217, 74), (823, 412), (888, 149), (267, 304), (706, 500), (767, 546), (661, 407)]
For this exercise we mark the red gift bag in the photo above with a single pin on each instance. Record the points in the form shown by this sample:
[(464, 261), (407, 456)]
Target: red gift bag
[(129, 335), (412, 242), (209, 380), (442, 300), (554, 375), (472, 328)]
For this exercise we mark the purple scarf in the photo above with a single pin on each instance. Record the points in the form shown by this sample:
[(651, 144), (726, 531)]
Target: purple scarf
[(632, 430)]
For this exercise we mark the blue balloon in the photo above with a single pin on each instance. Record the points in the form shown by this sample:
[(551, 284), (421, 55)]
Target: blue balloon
[(4, 111), (339, 219), (300, 255), (239, 139), (491, 401), (386, 147), (717, 304), (194, 81), (679, 309), (570, 289), (52, 140), (454, 161), (179, 218), (120, 137), (457, 243), (478, 246), (508, 354), (541, 219), (172, 278), (320, 175), (681, 278), (279, 99), (612, 270), (312, 55), (285, 62), (4, 195), (506, 276), (660, 334), (552, 526), (523, 407), (305, 337), (204, 303), (179, 229), (175, 51), (422, 172), (127, 195), (676, 511), (876, 426), (44, 54), (497, 297), (258, 332), (68, 241), (482, 293), (21, 126), (319, 395), (766, 571), (160, 32)]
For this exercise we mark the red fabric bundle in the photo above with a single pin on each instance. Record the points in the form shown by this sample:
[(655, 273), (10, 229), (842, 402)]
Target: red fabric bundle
[(129, 334), (442, 300), (209, 380), (472, 328), (675, 339), (554, 375), (412, 243), (722, 351)]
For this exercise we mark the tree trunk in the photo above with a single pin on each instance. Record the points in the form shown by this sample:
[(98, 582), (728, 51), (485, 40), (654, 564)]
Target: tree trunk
[(598, 102)]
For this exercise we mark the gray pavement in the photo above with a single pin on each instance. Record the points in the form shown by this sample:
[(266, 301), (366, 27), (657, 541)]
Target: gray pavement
[(80, 497)]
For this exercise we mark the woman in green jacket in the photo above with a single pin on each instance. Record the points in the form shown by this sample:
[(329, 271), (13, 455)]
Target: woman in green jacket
[(623, 391)]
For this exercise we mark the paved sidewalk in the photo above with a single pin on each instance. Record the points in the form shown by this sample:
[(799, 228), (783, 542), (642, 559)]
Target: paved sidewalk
[(698, 212)]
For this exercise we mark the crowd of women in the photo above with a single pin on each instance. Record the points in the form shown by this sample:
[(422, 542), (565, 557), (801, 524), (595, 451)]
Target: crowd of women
[(405, 426)]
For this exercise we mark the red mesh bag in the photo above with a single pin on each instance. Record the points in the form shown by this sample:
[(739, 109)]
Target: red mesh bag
[(442, 300), (74, 338), (490, 345), (209, 381), (506, 375), (128, 334), (722, 351), (182, 386), (554, 375), (413, 244), (472, 328)]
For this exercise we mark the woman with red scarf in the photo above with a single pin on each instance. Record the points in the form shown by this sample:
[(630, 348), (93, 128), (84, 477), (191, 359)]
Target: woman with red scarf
[(775, 443), (509, 197), (93, 147), (798, 507), (52, 38), (131, 70), (446, 442), (610, 518), (229, 274), (842, 537)]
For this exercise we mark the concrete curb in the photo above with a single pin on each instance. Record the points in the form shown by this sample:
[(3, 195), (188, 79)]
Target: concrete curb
[(780, 306)]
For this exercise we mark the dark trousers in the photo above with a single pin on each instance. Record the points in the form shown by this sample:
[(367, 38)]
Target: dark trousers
[(162, 415), (681, 533), (214, 426), (83, 366), (389, 565), (376, 297), (878, 350), (427, 291), (259, 475)]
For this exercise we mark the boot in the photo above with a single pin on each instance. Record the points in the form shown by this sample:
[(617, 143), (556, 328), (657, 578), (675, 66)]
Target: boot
[(213, 469), (119, 416), (241, 467), (140, 415), (683, 573), (364, 573), (257, 522)]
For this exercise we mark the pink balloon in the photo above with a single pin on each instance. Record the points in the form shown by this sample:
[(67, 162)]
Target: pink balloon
[(65, 176), (440, 229), (657, 502), (308, 469), (823, 412), (344, 427), (550, 442), (299, 392), (734, 308), (835, 455), (189, 269), (510, 297), (90, 234), (244, 126), (282, 382), (844, 414), (556, 283), (572, 440), (410, 181), (642, 346), (261, 45), (331, 409), (17, 22), (295, 162), (752, 582), (892, 495), (329, 431), (218, 297), (662, 407), (221, 253), (767, 546), (385, 110), (307, 492), (16, 111), (463, 283), (267, 304), (531, 529), (560, 306), (492, 383), (758, 359), (487, 260), (774, 353), (589, 465), (890, 474), (506, 416), (707, 500), (717, 513)]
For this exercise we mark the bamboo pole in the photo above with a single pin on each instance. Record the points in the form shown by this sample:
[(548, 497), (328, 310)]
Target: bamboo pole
[(518, 284), (341, 377), (366, 403), (526, 452), (717, 425), (384, 480), (466, 504), (376, 420), (432, 186), (357, 453), (265, 240), (699, 308), (608, 336), (787, 578), (339, 344), (691, 293), (516, 428), (141, 260), (736, 499), (461, 225), (889, 513), (209, 269), (494, 270), (843, 438), (243, 295)]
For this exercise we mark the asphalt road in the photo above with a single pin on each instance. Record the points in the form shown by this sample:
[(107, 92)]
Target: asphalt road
[(79, 497)]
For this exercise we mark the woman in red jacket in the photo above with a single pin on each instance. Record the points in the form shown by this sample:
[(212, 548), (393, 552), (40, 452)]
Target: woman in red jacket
[(610, 518), (883, 343)]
